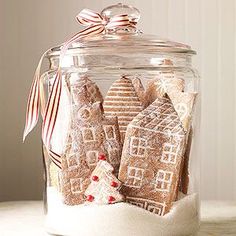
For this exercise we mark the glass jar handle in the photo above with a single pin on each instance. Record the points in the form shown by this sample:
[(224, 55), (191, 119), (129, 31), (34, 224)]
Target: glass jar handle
[(121, 9)]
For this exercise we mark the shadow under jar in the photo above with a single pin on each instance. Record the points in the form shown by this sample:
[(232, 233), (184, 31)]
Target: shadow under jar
[(133, 99)]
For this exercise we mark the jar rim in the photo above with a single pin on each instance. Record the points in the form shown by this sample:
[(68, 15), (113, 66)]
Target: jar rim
[(131, 41)]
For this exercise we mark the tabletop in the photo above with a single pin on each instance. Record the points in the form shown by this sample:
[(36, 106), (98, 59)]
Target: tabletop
[(27, 218)]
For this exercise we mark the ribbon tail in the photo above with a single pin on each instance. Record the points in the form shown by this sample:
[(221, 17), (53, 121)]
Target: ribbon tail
[(43, 101), (33, 104), (51, 111), (89, 31), (50, 117), (56, 158)]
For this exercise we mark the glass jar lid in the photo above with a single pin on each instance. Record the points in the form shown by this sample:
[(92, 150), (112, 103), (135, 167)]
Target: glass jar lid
[(124, 37)]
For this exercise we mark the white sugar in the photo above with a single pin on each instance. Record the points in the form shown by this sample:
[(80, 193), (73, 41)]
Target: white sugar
[(120, 219)]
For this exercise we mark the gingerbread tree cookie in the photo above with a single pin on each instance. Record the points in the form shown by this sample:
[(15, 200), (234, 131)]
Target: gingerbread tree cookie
[(123, 102), (104, 186)]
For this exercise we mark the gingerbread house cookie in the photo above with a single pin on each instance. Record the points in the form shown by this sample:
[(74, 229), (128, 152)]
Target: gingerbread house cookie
[(152, 155), (139, 89), (76, 82), (104, 186), (165, 81), (91, 134), (184, 179), (123, 102), (184, 104), (161, 85)]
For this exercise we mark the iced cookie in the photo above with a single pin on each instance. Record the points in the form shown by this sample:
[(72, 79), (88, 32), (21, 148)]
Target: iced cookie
[(91, 134), (77, 82), (184, 180), (152, 155), (122, 102), (184, 104), (104, 186), (139, 89), (161, 85)]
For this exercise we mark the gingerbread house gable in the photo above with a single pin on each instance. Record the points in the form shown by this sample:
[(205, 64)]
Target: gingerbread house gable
[(160, 117), (122, 101), (83, 90), (97, 135), (152, 154)]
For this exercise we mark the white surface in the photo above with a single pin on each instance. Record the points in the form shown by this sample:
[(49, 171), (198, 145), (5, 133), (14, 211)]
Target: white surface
[(208, 25), (218, 211), (120, 219), (22, 218), (218, 218), (26, 219)]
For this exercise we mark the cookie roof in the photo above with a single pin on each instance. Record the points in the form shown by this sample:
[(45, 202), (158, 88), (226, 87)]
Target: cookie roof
[(160, 117)]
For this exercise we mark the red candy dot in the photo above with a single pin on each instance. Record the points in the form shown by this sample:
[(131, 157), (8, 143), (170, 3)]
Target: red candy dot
[(111, 199), (114, 184), (95, 178), (90, 198), (102, 157)]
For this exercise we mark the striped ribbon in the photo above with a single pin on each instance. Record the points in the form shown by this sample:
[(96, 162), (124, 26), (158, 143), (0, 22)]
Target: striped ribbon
[(95, 24)]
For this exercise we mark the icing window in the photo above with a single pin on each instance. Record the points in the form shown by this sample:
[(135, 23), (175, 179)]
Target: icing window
[(137, 146), (109, 132), (157, 208), (92, 157), (76, 186), (135, 177), (114, 156), (163, 180), (88, 134), (169, 153)]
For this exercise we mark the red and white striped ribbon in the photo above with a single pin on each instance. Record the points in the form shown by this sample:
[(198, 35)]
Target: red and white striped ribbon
[(96, 24)]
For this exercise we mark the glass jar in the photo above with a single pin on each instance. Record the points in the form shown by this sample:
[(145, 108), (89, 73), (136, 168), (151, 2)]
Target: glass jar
[(131, 101)]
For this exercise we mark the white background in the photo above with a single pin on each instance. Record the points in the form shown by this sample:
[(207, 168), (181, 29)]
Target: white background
[(28, 27)]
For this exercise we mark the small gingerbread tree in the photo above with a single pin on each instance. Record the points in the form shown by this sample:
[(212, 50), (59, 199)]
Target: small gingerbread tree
[(104, 186)]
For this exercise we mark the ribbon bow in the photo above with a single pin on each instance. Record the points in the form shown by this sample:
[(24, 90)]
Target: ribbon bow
[(95, 24)]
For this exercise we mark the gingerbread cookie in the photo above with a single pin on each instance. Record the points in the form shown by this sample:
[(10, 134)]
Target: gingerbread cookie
[(75, 176), (165, 82), (139, 89), (152, 155), (104, 187), (91, 134), (76, 82), (161, 85), (184, 104), (123, 102), (184, 180)]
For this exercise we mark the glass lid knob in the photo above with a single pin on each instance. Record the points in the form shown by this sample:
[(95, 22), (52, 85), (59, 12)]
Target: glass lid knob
[(120, 9)]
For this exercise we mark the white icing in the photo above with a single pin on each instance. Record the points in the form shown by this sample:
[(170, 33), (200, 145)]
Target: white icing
[(122, 107), (111, 97), (122, 112)]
